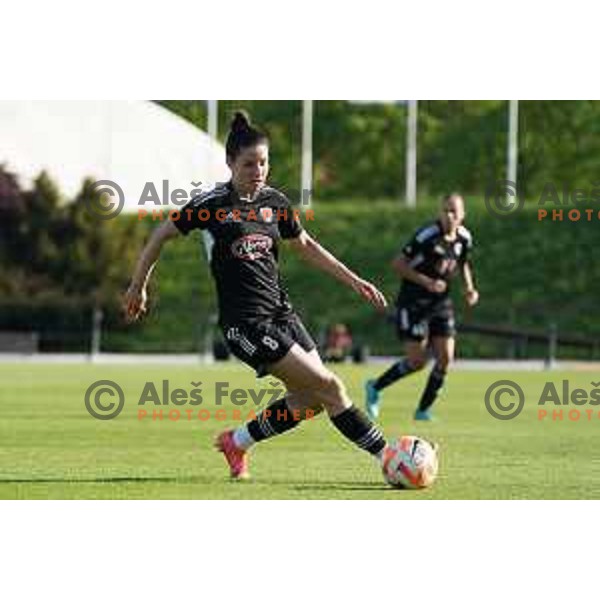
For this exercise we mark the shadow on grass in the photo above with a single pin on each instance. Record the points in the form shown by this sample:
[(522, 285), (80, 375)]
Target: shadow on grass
[(117, 479), (324, 487), (297, 486), (328, 485)]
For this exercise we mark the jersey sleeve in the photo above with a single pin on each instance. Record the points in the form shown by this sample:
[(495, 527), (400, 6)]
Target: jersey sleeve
[(411, 248), (419, 246), (289, 226), (196, 214), (468, 246), (415, 246)]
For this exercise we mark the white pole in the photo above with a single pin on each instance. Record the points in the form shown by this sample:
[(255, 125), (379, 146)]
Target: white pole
[(307, 157), (411, 154), (96, 332), (212, 128), (213, 118), (513, 145)]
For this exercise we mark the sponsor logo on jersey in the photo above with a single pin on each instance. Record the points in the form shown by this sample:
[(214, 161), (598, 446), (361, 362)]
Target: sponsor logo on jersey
[(252, 247)]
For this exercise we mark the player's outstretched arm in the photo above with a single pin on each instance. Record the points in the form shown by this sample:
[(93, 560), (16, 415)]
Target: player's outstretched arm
[(311, 251), (471, 294), (136, 297)]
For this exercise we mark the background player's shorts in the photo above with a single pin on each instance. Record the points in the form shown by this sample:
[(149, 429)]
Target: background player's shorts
[(261, 343), (416, 320)]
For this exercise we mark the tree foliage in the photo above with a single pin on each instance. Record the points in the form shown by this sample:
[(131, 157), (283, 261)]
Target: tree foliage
[(53, 249), (359, 149)]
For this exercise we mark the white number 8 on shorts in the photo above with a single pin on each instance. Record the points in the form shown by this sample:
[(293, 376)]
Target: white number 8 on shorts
[(269, 342)]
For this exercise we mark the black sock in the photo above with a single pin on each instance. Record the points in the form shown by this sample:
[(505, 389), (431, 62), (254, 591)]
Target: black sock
[(274, 419), (434, 384), (396, 371), (359, 430)]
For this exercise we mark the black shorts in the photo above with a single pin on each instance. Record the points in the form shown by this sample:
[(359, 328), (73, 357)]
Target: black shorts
[(262, 343), (418, 319)]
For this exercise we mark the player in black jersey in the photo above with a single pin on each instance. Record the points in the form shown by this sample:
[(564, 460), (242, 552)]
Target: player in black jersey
[(424, 311), (243, 223)]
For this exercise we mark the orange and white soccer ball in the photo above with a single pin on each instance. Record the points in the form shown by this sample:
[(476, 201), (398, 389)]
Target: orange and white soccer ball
[(410, 463)]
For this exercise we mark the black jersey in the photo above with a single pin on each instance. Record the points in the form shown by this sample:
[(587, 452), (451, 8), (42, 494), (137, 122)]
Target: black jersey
[(241, 239), (430, 253)]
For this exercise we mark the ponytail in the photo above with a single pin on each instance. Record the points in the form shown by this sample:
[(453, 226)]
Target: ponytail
[(242, 135)]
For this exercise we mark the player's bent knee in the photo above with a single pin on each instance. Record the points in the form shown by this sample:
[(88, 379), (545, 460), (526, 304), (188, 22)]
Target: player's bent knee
[(444, 361), (326, 382), (417, 362), (332, 393), (335, 386), (443, 364)]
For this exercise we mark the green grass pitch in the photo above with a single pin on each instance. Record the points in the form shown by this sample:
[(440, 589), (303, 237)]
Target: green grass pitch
[(50, 447)]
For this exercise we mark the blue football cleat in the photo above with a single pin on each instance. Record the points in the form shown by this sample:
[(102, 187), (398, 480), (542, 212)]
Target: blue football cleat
[(423, 415), (372, 400)]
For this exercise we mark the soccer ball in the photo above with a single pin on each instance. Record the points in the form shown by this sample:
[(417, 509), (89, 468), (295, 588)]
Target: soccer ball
[(410, 463)]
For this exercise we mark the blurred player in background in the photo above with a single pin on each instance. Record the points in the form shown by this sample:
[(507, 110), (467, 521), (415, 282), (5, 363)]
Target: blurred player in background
[(338, 345), (424, 310), (256, 317)]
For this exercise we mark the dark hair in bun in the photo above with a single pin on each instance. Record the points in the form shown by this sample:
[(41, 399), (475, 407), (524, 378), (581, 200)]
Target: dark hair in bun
[(242, 135)]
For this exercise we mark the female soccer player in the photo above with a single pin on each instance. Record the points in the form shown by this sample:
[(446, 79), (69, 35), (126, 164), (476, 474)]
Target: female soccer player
[(243, 222), (435, 254)]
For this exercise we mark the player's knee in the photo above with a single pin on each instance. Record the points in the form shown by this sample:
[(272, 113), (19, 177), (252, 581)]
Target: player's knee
[(334, 386), (332, 392), (443, 363), (417, 361), (444, 360)]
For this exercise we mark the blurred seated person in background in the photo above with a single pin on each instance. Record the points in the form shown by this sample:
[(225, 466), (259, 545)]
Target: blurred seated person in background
[(338, 344)]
